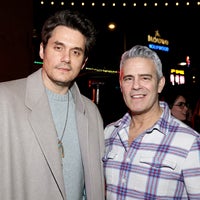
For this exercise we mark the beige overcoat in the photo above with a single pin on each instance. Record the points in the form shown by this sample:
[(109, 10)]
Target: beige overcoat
[(30, 164)]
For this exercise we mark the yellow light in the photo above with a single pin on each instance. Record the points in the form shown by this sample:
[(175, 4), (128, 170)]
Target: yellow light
[(173, 70), (111, 26), (177, 71), (102, 70)]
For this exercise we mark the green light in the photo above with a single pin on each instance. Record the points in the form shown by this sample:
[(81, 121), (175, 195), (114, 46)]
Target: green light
[(38, 62)]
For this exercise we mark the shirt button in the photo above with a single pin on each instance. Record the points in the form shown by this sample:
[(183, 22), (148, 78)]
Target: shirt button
[(128, 160)]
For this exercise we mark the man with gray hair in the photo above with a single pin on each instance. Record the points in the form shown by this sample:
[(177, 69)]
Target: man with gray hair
[(149, 153)]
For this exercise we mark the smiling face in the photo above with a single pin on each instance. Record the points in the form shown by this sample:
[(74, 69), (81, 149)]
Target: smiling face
[(63, 58), (140, 86), (179, 108)]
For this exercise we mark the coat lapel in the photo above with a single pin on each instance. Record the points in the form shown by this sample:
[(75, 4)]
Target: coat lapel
[(42, 123), (83, 134), (82, 123)]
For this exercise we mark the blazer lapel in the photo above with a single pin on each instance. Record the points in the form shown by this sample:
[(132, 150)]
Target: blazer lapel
[(42, 123), (84, 140), (82, 124)]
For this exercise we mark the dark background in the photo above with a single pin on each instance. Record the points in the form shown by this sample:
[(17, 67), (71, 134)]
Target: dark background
[(178, 24), (21, 24)]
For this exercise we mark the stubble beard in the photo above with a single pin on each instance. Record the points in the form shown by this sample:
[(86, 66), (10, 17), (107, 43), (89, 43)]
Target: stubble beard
[(60, 83)]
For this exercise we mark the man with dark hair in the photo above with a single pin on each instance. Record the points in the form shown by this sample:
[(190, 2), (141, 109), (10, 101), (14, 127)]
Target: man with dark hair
[(52, 136)]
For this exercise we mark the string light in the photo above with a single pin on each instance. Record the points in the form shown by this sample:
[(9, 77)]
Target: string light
[(88, 68), (124, 4)]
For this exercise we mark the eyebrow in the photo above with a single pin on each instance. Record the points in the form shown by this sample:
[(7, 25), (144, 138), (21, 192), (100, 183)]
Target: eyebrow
[(59, 43), (75, 48), (78, 48), (141, 75)]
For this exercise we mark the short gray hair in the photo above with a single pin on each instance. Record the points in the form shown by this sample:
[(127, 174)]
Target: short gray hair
[(143, 52)]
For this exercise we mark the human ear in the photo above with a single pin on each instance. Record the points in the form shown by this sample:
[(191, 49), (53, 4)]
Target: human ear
[(161, 84), (41, 51)]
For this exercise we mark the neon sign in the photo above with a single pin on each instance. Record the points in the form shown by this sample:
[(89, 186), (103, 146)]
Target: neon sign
[(158, 42), (159, 47)]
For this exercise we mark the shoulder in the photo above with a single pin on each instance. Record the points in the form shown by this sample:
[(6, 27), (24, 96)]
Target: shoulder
[(11, 91), (179, 126), (112, 128), (181, 134), (90, 106), (18, 85), (11, 88), (83, 103)]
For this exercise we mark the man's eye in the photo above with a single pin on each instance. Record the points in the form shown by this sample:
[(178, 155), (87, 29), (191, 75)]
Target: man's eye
[(58, 48), (76, 53), (127, 79), (146, 78)]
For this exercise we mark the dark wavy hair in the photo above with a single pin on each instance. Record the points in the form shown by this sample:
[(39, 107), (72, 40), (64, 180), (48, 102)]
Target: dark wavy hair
[(71, 19)]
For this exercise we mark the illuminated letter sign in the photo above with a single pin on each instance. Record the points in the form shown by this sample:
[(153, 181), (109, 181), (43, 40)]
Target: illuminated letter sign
[(158, 42)]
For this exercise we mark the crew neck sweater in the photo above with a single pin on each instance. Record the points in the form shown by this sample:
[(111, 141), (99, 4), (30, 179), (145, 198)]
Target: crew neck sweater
[(72, 162)]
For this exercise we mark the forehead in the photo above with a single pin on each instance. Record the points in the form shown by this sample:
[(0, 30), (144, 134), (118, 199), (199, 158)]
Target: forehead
[(68, 35), (180, 99), (138, 65)]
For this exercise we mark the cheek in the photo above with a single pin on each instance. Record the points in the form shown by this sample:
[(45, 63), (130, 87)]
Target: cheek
[(126, 92), (175, 112), (76, 71), (77, 64), (125, 88)]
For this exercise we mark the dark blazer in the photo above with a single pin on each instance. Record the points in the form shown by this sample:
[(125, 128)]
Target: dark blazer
[(30, 163)]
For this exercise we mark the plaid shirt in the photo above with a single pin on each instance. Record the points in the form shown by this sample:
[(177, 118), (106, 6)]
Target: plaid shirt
[(162, 163)]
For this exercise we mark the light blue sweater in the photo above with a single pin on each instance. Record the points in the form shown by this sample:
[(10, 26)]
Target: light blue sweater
[(72, 163)]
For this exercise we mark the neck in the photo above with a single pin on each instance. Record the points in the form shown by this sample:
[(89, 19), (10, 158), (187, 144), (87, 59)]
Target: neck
[(146, 120)]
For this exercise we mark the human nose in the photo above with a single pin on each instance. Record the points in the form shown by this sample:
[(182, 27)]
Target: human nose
[(136, 84), (185, 107), (65, 56)]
